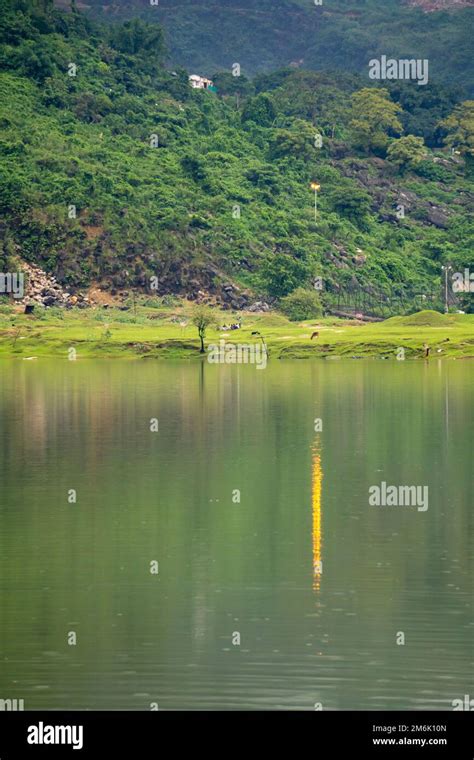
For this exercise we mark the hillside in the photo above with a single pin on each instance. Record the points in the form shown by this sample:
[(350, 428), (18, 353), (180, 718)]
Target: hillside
[(440, 5), (123, 173), (263, 35)]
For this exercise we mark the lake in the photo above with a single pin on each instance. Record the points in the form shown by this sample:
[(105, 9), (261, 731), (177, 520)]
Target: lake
[(200, 537)]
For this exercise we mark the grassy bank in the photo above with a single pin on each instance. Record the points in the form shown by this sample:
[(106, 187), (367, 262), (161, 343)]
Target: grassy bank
[(168, 333)]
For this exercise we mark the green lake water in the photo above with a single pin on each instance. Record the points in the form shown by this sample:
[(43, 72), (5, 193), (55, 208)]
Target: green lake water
[(260, 525)]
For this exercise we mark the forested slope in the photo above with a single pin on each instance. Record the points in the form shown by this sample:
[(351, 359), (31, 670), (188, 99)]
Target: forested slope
[(121, 172), (263, 35)]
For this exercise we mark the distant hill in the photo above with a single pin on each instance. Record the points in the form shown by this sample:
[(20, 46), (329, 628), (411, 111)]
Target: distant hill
[(263, 35)]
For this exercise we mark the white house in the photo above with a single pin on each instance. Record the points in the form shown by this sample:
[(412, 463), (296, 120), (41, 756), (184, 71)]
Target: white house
[(200, 83)]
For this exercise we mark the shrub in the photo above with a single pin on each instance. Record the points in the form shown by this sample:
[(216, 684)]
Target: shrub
[(282, 273), (301, 304)]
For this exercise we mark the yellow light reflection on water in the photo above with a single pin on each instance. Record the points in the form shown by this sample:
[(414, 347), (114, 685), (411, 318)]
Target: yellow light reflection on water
[(316, 487)]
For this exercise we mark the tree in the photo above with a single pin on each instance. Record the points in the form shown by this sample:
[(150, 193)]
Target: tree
[(7, 256), (227, 84), (298, 140), (460, 127), (92, 108), (193, 166), (374, 116), (352, 203), (202, 317), (423, 108), (407, 152), (35, 59), (301, 304), (283, 273), (259, 109), (136, 37)]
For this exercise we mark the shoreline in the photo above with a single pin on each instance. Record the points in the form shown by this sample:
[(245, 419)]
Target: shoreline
[(168, 333)]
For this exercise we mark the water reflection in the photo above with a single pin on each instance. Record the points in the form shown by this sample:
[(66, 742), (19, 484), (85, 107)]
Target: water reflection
[(317, 476), (225, 566)]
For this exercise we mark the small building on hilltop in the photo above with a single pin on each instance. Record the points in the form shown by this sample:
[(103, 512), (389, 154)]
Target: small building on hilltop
[(201, 83)]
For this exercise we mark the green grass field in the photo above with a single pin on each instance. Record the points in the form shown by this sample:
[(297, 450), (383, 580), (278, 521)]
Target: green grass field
[(168, 333)]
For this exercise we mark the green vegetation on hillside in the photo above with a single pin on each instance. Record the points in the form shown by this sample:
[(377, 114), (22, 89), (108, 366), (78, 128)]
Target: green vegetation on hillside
[(343, 35), (114, 170)]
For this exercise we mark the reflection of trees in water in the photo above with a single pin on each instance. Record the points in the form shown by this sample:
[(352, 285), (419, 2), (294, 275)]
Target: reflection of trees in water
[(167, 496)]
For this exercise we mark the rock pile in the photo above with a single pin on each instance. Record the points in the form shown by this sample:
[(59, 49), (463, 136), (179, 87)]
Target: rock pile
[(259, 306), (44, 290), (231, 297)]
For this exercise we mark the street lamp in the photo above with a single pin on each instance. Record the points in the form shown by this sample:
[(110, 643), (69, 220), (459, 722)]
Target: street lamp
[(256, 332), (316, 187), (446, 269)]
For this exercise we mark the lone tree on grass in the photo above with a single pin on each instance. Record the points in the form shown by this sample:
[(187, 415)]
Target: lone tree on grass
[(203, 317)]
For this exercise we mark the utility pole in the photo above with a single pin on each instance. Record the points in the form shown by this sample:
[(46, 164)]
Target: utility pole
[(446, 269), (256, 332), (316, 187)]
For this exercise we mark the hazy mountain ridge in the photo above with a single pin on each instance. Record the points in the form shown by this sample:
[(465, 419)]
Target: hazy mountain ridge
[(263, 35)]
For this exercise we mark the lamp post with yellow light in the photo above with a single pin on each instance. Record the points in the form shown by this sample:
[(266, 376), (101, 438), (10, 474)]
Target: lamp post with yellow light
[(316, 187)]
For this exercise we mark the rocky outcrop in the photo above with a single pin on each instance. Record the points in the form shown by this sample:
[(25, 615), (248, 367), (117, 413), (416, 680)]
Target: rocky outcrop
[(440, 5), (206, 286), (43, 290), (259, 307), (388, 195)]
